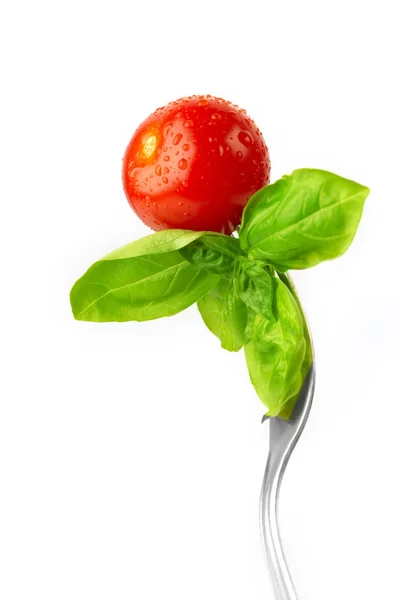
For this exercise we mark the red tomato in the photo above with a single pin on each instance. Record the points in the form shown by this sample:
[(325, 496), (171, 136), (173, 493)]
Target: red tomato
[(193, 164)]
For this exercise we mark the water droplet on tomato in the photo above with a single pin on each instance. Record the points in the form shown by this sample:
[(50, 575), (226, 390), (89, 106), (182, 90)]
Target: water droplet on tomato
[(165, 149), (210, 140), (177, 139), (184, 183), (166, 158), (216, 117), (203, 102), (221, 150), (239, 155), (180, 203), (167, 128), (246, 139), (186, 147), (166, 170), (158, 170), (182, 164), (165, 179), (147, 203), (188, 123), (186, 214)]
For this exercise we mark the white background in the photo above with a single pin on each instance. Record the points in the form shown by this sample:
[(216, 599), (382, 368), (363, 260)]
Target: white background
[(131, 455)]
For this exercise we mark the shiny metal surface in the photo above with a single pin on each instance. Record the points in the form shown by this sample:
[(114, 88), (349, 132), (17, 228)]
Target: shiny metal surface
[(284, 436)]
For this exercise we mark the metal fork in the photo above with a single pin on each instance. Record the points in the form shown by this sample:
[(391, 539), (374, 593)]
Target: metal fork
[(283, 437)]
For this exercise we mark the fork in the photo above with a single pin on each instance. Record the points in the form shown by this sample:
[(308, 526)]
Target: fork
[(283, 437)]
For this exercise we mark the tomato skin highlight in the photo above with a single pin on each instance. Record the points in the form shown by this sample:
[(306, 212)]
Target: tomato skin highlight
[(193, 164)]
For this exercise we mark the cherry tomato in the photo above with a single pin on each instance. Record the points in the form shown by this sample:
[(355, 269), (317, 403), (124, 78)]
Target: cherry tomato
[(193, 164)]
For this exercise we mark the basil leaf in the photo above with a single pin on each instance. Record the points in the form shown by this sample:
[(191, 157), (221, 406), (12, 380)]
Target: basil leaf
[(302, 219), (225, 314), (287, 410), (215, 253), (308, 358), (255, 289), (141, 281), (276, 352)]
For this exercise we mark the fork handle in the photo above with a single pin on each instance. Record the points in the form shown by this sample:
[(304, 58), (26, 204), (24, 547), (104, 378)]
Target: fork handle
[(272, 545)]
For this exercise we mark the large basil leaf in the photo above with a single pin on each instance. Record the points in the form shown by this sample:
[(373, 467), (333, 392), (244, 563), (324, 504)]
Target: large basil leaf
[(225, 314), (302, 219), (214, 252), (144, 280), (276, 352)]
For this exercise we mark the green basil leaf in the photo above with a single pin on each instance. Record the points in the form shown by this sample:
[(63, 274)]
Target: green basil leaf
[(302, 219), (308, 357), (213, 252), (276, 352), (255, 288), (225, 314), (287, 410), (145, 280)]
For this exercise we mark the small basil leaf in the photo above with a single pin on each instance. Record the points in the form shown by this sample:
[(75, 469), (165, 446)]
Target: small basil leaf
[(215, 253), (255, 289), (225, 314), (302, 219), (142, 281), (276, 352)]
